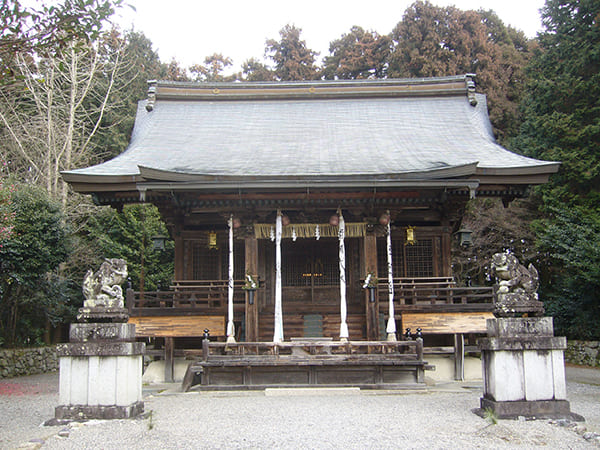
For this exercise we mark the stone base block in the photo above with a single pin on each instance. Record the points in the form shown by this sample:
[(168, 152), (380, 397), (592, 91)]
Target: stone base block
[(101, 332), (102, 314), (539, 409), (88, 412), (100, 380)]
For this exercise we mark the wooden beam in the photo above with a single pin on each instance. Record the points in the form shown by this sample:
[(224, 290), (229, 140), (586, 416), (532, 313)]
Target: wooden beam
[(307, 195)]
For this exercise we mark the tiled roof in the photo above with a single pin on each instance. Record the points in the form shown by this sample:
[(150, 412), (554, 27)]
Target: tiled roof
[(437, 135)]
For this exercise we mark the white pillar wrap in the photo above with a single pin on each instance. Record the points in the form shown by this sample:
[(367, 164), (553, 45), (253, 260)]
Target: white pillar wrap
[(343, 307), (391, 324), (278, 333), (230, 325)]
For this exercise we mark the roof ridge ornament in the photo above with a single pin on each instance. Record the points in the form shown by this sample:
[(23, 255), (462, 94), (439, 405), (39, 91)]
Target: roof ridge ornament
[(471, 88), (314, 89), (151, 95)]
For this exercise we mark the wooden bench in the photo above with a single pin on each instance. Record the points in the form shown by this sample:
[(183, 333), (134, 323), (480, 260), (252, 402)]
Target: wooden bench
[(455, 323), (170, 327)]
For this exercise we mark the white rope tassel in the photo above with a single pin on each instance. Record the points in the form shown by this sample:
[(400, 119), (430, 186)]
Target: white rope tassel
[(391, 325), (230, 325), (343, 307), (278, 333)]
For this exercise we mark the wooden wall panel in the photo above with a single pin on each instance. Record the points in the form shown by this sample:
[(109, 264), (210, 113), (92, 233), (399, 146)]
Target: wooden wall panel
[(293, 326), (447, 323), (177, 326)]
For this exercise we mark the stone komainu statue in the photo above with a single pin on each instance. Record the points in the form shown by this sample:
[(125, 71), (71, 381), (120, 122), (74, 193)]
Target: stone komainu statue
[(103, 288), (516, 289)]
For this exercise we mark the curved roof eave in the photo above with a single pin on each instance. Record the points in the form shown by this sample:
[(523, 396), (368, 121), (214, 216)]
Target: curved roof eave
[(74, 176), (149, 173), (544, 168)]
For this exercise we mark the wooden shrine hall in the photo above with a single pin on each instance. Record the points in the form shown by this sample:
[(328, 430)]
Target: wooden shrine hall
[(312, 223)]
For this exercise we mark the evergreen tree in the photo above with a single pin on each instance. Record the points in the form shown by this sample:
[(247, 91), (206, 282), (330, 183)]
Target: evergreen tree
[(357, 54), (173, 71), (562, 123), (141, 63), (255, 70), (562, 108), (433, 41), (212, 68), (31, 291), (293, 59), (128, 235)]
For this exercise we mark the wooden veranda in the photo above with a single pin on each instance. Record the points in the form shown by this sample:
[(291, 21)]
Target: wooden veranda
[(175, 320)]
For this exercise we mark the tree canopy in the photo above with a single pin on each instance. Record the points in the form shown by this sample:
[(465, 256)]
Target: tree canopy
[(562, 108), (255, 70), (433, 41), (212, 68), (292, 58), (70, 86), (29, 261), (357, 54), (562, 122), (128, 234), (45, 29)]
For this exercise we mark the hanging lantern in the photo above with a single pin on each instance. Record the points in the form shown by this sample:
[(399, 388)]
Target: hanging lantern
[(410, 236), (158, 242), (212, 241), (334, 220), (384, 219), (285, 220), (236, 222), (465, 237)]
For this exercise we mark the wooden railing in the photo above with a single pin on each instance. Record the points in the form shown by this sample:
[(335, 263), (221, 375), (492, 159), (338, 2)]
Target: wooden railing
[(417, 292), (409, 349), (186, 294), (409, 293)]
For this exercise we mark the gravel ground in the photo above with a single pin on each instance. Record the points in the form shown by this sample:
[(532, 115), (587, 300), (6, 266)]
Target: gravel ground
[(441, 418), (26, 403)]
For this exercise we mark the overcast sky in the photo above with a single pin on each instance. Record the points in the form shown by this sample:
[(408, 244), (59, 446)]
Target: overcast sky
[(189, 30)]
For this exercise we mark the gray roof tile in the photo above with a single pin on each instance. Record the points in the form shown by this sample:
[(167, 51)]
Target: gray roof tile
[(313, 138)]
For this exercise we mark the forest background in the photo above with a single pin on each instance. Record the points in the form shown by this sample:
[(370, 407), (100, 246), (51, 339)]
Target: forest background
[(69, 87)]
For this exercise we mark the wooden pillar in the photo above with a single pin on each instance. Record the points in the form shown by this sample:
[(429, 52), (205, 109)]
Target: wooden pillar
[(459, 357), (446, 251), (372, 308), (169, 360), (251, 248), (178, 272)]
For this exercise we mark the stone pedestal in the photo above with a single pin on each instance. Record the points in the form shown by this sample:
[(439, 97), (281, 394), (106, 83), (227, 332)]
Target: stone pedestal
[(100, 372), (523, 369)]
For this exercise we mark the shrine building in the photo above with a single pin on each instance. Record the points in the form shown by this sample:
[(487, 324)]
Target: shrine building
[(312, 210)]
